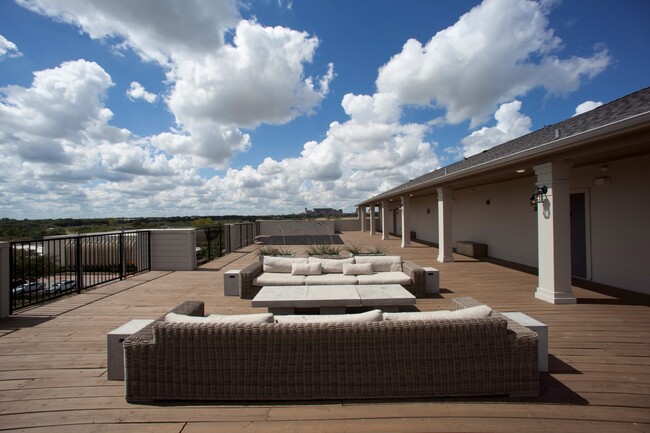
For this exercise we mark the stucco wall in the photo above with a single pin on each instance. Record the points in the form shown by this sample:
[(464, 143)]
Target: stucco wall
[(500, 216), (619, 217), (173, 250)]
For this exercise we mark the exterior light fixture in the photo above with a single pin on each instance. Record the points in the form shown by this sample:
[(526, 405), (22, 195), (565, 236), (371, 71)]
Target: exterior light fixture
[(538, 196), (521, 170)]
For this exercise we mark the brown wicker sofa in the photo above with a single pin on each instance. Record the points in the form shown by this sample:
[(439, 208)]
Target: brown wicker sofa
[(310, 361), (408, 274)]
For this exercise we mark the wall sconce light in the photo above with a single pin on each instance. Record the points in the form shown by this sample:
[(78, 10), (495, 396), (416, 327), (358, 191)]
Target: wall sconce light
[(538, 196)]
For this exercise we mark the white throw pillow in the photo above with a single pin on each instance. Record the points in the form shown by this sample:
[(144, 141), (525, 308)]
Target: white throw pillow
[(305, 269), (478, 312), (382, 263), (419, 315), (221, 318), (357, 269), (368, 316), (280, 264), (332, 266)]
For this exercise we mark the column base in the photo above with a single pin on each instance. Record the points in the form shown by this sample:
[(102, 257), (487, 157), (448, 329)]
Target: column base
[(553, 297), (445, 259), (406, 244)]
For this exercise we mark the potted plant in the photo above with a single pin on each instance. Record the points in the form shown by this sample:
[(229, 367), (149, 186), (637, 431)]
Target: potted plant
[(272, 250), (324, 251)]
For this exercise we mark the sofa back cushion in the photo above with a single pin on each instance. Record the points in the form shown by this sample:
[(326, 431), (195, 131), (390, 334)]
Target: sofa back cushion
[(381, 263), (477, 312), (331, 266), (221, 318), (357, 269), (305, 269), (280, 264), (368, 316)]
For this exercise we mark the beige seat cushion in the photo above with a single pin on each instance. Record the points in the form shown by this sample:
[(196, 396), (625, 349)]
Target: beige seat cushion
[(279, 279), (478, 312), (330, 279), (221, 318), (357, 269), (385, 278), (305, 269), (331, 265), (368, 316), (281, 264), (381, 263)]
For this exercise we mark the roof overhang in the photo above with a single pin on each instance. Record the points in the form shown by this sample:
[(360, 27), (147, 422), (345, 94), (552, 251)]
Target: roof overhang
[(623, 139)]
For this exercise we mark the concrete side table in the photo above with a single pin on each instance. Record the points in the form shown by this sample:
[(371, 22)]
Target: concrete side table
[(231, 282), (115, 350), (432, 279), (542, 331)]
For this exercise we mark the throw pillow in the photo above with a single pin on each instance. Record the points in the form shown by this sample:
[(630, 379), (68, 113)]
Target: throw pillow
[(280, 264), (357, 269), (368, 316), (419, 315), (478, 312), (305, 269), (219, 318), (331, 266), (382, 263)]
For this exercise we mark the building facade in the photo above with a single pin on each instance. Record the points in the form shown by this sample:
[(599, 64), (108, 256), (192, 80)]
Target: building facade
[(589, 178)]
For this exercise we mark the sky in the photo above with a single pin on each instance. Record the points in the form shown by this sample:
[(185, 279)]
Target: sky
[(256, 107)]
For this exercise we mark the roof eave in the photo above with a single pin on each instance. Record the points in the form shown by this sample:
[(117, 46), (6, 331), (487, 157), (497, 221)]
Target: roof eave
[(626, 125)]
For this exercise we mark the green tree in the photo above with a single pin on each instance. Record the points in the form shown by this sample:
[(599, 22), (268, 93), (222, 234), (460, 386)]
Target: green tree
[(203, 223)]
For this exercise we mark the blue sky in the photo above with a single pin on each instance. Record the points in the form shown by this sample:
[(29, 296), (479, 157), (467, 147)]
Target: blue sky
[(162, 107)]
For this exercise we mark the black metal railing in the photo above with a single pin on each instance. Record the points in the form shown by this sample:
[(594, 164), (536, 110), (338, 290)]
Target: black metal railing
[(211, 243), (246, 235), (40, 270), (214, 242)]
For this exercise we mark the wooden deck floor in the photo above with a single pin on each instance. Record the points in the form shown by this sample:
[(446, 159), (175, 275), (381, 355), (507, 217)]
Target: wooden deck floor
[(53, 361)]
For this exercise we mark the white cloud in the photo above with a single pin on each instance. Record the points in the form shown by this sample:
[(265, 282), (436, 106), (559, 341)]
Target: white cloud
[(59, 149), (587, 106), (511, 124), (137, 91), (156, 30), (258, 79), (8, 48), (499, 50), (216, 88)]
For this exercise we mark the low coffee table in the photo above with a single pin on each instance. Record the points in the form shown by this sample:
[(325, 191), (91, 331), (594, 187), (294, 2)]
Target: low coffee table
[(332, 299)]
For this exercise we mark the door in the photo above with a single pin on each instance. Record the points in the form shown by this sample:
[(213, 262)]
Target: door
[(578, 235)]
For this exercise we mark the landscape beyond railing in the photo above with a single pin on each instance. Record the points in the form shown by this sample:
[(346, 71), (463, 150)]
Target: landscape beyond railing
[(40, 270), (214, 242)]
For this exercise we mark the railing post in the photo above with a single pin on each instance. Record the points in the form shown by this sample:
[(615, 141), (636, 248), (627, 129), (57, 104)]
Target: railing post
[(79, 265), (121, 265), (5, 283)]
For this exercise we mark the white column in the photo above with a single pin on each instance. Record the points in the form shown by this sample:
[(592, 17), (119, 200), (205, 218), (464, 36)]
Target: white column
[(373, 222), (406, 223), (362, 217), (445, 243), (384, 220), (554, 234)]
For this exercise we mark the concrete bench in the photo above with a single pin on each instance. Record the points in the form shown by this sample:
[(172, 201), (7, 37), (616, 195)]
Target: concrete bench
[(541, 330), (115, 349), (471, 249)]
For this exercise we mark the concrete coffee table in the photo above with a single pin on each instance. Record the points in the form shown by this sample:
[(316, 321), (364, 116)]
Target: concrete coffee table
[(332, 299)]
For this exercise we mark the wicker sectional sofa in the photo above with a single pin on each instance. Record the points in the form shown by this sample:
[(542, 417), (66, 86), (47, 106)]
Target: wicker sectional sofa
[(279, 271), (399, 358)]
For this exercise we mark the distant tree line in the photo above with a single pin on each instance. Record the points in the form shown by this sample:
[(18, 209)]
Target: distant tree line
[(18, 230)]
